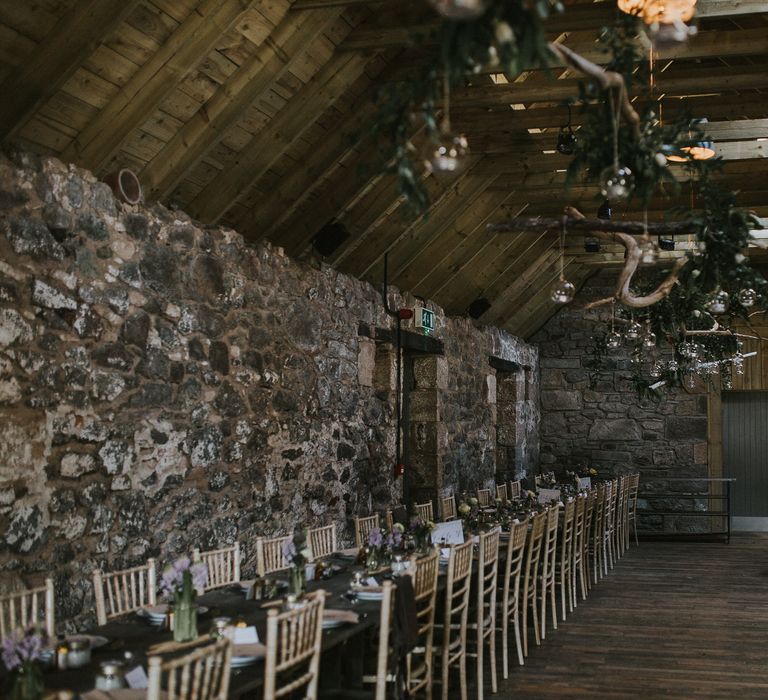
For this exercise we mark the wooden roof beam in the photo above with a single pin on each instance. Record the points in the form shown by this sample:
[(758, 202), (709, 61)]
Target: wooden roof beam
[(189, 44), (60, 53), (274, 58)]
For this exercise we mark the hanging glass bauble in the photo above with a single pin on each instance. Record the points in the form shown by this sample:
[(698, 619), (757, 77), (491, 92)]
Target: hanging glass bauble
[(738, 363), (616, 183), (649, 339), (727, 380), (718, 304), (614, 340), (688, 349), (562, 291), (650, 253), (459, 9), (657, 369), (634, 331), (450, 154), (672, 366), (747, 297), (691, 380)]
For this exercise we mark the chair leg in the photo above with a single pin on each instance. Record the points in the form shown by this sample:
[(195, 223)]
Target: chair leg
[(543, 611), (505, 647), (535, 617), (553, 604), (480, 656), (492, 643), (517, 641), (634, 527), (463, 676), (445, 670), (583, 581), (525, 623), (562, 594)]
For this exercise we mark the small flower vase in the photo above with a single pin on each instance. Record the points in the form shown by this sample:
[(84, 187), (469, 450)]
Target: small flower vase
[(372, 560), (28, 682), (185, 612), (298, 581)]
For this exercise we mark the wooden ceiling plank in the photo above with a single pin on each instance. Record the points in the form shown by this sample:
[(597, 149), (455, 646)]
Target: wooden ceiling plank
[(267, 146), (154, 81), (62, 51), (247, 85)]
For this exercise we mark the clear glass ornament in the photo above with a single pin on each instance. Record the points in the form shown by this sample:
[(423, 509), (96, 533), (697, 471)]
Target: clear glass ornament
[(649, 339), (673, 366), (562, 291), (450, 154), (738, 363), (691, 380), (718, 304), (688, 349), (634, 331), (747, 297), (727, 380), (650, 253), (657, 369), (616, 184), (668, 35), (459, 9), (614, 340)]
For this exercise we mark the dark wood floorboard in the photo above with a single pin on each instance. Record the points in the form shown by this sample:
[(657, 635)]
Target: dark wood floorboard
[(672, 620)]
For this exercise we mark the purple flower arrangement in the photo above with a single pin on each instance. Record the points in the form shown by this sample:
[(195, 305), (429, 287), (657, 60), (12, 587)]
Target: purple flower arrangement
[(176, 575), (23, 648)]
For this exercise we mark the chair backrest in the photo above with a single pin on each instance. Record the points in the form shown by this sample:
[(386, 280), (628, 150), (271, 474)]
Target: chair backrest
[(578, 527), (122, 592), (223, 565), (25, 608), (614, 501), (322, 541), (513, 566), (425, 511), (201, 674), (549, 554), (448, 508), (458, 582), (533, 549), (424, 573), (484, 497), (363, 526), (634, 487), (598, 515), (293, 649), (269, 554), (607, 501), (385, 628), (515, 490), (501, 492), (589, 514), (566, 542), (488, 573)]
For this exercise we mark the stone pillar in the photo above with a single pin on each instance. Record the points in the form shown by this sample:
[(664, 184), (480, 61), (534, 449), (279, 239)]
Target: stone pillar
[(425, 429)]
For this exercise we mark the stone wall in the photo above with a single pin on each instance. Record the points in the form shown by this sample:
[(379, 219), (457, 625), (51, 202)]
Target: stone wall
[(164, 385), (604, 423)]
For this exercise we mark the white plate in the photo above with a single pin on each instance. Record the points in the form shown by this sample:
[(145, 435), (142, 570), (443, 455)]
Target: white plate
[(331, 623), (240, 661), (370, 595)]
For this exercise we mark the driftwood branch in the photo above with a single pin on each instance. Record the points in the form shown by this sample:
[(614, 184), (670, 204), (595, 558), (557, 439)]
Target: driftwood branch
[(581, 224), (607, 80)]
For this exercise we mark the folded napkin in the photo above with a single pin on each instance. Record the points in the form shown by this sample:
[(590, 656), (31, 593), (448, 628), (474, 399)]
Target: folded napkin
[(161, 609), (342, 615), (351, 552)]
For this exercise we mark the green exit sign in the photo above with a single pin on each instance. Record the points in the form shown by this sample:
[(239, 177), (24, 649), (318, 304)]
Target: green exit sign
[(424, 318)]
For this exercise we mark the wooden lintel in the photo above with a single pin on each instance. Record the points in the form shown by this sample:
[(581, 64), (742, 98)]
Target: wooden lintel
[(575, 225)]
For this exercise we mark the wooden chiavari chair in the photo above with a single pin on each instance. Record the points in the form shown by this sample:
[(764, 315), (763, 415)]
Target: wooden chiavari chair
[(618, 525), (484, 497), (624, 544), (564, 569), (122, 592), (548, 564), (201, 674), (607, 527), (611, 529), (363, 527), (448, 508), (322, 541), (24, 608), (510, 600), (383, 675), (453, 646), (501, 492), (634, 487), (484, 625), (578, 572), (293, 649), (589, 514), (269, 554), (419, 661), (597, 536), (531, 569), (223, 565), (424, 511), (515, 489)]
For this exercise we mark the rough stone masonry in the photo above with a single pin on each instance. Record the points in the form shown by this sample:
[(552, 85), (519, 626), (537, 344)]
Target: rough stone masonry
[(163, 385)]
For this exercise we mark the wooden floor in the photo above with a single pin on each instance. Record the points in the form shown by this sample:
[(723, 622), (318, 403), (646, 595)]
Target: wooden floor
[(673, 620)]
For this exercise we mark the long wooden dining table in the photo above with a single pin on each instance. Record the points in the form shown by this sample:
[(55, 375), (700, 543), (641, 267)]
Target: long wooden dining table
[(136, 635)]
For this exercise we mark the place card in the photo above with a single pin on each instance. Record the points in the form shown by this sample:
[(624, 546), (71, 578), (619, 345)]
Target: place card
[(370, 581), (242, 635), (451, 532), (137, 679), (546, 496), (585, 482)]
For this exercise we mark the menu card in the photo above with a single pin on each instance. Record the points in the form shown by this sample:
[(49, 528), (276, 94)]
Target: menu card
[(137, 678), (585, 482), (242, 635), (452, 532), (546, 496)]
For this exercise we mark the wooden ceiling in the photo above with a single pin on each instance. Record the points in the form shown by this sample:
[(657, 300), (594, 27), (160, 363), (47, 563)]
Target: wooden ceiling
[(245, 112)]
